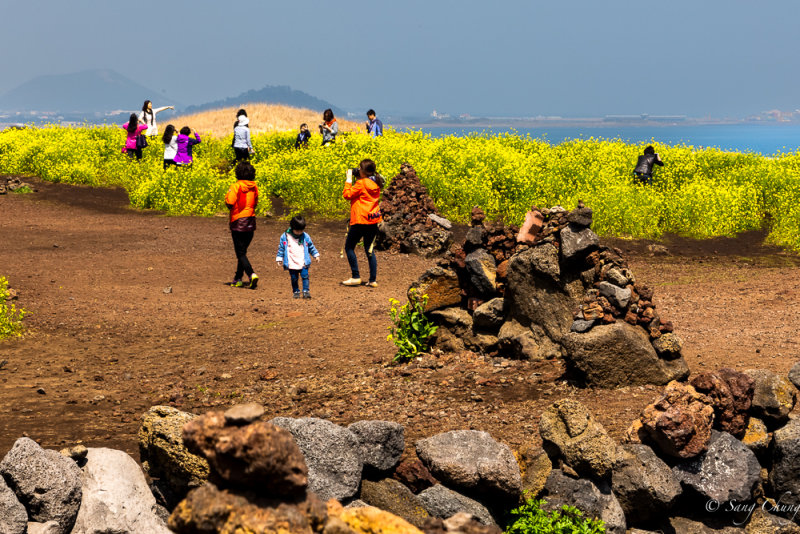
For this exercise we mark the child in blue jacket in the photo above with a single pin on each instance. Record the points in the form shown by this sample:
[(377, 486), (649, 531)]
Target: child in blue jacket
[(295, 250)]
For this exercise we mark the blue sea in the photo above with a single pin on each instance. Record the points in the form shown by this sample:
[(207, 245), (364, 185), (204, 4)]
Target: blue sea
[(766, 139)]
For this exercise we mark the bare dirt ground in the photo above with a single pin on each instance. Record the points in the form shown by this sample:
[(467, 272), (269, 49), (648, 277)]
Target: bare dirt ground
[(105, 341)]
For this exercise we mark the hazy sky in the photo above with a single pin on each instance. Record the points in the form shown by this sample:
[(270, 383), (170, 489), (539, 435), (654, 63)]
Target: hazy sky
[(514, 57)]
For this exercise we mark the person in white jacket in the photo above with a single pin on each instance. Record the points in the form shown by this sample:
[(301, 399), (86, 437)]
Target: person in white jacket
[(148, 116), (170, 146)]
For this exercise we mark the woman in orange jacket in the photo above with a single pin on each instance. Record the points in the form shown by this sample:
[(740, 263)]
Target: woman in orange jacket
[(242, 199), (365, 214)]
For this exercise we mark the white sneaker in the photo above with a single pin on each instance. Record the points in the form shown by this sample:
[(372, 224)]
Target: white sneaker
[(352, 282)]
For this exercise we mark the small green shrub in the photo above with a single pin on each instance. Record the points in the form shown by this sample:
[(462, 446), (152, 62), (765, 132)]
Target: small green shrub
[(411, 329), (10, 316), (22, 190), (531, 519)]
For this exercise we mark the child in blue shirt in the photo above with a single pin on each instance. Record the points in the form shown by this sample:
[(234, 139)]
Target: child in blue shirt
[(302, 137), (295, 250)]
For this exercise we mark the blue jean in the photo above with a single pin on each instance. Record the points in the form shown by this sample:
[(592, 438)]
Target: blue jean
[(299, 273)]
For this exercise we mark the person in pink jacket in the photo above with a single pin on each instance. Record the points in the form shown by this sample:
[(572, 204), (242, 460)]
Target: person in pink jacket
[(133, 128), (185, 144)]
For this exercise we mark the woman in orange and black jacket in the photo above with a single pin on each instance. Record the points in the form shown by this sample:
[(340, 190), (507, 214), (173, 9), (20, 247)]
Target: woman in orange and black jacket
[(365, 214), (242, 199)]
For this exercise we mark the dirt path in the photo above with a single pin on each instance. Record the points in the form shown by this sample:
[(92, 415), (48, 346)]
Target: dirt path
[(106, 341)]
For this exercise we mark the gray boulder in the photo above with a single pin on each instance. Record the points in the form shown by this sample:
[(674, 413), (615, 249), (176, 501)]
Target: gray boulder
[(617, 277), (13, 517), (518, 341), (332, 454), (442, 502), (458, 320), (773, 398), (727, 471), (46, 483), (392, 496), (595, 501), (617, 355), (472, 461), (644, 485), (116, 497), (381, 443), (617, 296), (533, 297), (482, 270), (577, 241), (785, 474), (489, 315), (794, 375), (581, 326)]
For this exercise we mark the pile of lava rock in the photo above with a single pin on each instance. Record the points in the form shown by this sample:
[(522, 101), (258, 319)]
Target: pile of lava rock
[(12, 183), (549, 289), (411, 222)]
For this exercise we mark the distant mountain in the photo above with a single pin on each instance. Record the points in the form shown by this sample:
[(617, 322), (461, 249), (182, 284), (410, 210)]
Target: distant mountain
[(94, 92), (271, 94)]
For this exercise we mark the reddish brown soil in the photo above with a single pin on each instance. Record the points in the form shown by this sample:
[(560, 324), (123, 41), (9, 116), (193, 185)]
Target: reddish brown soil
[(105, 341)]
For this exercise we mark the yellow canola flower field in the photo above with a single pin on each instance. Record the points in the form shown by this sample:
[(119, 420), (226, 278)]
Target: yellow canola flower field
[(698, 193)]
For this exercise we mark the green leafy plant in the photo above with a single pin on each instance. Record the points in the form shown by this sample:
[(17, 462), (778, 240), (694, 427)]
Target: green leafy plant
[(411, 329), (531, 519), (10, 316), (22, 190)]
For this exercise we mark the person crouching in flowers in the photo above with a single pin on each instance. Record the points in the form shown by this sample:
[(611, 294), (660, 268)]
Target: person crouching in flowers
[(133, 129), (185, 144), (242, 199)]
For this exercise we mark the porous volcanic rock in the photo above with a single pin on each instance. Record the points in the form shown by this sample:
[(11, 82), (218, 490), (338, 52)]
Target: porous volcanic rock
[(535, 467), (332, 455), (441, 285), (13, 517), (413, 473), (726, 471), (570, 433), (594, 500), (461, 523), (773, 398), (394, 497), (209, 509), (381, 443), (785, 474), (443, 502), (46, 483), (368, 520), (731, 393), (115, 496), (680, 422), (489, 315), (618, 355), (644, 485), (246, 456), (472, 461), (165, 457), (757, 437)]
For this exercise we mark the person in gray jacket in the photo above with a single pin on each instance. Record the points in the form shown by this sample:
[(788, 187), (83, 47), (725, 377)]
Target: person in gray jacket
[(242, 145), (329, 129)]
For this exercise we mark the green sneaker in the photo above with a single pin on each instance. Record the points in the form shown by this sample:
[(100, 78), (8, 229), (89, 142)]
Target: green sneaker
[(253, 281), (236, 283)]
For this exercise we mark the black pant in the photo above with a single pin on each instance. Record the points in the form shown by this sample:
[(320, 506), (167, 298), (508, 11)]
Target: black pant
[(354, 235), (241, 240), (169, 163), (242, 154), (134, 152)]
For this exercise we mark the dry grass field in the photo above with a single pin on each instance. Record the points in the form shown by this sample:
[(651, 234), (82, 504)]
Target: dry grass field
[(263, 118)]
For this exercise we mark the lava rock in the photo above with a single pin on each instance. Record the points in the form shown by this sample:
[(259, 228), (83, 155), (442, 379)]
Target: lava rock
[(773, 397), (45, 482), (116, 497), (577, 241), (413, 473), (644, 485), (731, 393), (594, 500), (570, 433), (381, 443), (668, 346), (392, 496), (489, 315), (482, 269), (785, 474), (442, 502), (727, 471), (332, 455), (243, 414), (535, 466), (258, 455), (619, 355), (13, 517), (472, 461), (441, 285), (616, 295), (756, 437)]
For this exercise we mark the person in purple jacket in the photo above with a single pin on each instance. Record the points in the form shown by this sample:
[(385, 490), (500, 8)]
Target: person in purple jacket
[(134, 129), (185, 144)]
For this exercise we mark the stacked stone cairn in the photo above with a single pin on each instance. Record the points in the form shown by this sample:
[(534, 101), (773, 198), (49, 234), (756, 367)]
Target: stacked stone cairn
[(411, 222), (550, 290)]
